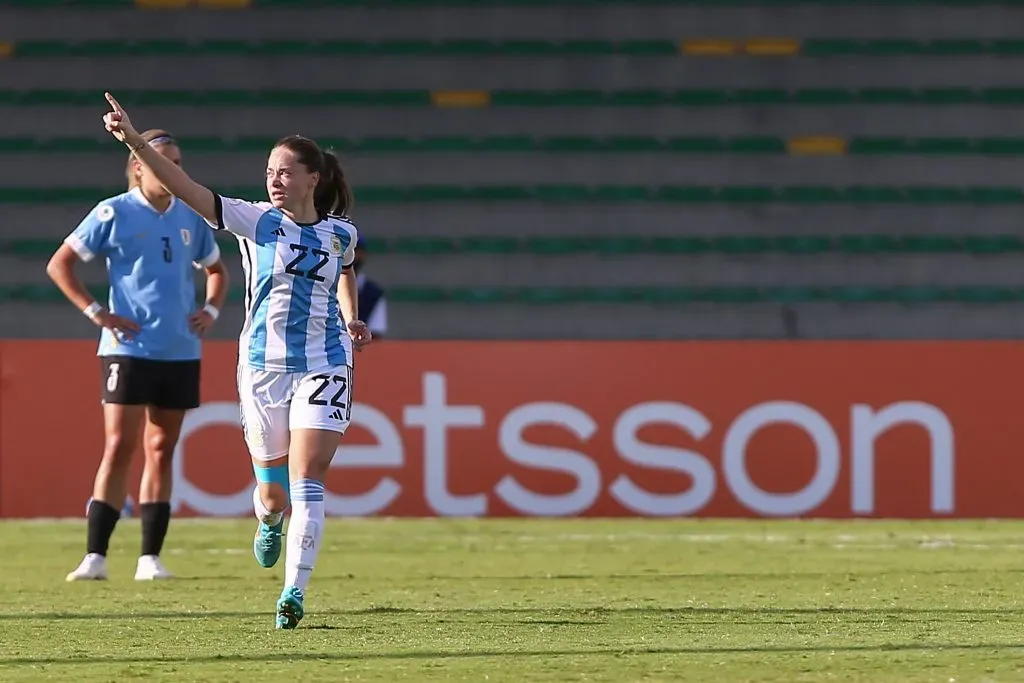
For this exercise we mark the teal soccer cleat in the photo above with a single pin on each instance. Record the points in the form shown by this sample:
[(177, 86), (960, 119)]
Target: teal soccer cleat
[(266, 545), (289, 608)]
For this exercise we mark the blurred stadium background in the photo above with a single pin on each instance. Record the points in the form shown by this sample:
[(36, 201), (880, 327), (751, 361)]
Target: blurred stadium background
[(590, 170), (558, 169)]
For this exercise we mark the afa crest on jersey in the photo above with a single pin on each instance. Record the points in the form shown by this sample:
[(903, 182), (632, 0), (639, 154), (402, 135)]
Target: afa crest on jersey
[(186, 236), (336, 246)]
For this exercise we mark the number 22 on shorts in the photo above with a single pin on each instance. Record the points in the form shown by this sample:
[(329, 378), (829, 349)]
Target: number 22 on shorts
[(333, 391)]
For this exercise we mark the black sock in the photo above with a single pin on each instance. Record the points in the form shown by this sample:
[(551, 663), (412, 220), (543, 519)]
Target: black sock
[(156, 517), (102, 520)]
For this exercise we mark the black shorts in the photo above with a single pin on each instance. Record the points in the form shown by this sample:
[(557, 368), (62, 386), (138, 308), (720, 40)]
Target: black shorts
[(171, 384)]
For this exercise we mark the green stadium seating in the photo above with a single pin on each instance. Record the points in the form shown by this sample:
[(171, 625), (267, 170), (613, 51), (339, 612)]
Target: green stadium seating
[(618, 245), (217, 98), (732, 194), (489, 48), (409, 48), (895, 48), (512, 3), (862, 146), (48, 294), (421, 246), (546, 248), (527, 98)]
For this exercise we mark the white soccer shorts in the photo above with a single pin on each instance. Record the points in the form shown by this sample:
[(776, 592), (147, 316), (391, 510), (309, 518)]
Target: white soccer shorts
[(275, 403)]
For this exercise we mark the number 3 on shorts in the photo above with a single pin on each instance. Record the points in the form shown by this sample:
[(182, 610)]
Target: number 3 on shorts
[(114, 377), (333, 391)]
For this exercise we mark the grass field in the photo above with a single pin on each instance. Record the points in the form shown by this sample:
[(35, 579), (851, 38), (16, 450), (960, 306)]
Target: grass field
[(537, 600)]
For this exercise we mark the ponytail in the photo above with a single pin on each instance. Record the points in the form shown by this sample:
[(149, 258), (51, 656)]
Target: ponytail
[(333, 194)]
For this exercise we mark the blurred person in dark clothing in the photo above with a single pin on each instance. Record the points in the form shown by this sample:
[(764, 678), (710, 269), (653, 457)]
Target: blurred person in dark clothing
[(373, 305)]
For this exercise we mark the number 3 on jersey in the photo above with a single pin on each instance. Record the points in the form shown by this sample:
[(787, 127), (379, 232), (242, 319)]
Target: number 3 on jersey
[(299, 264)]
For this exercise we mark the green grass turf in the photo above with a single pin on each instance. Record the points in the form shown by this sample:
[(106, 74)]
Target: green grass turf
[(532, 600)]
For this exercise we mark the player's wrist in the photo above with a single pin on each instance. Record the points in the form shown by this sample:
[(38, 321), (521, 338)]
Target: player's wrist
[(213, 311), (134, 141), (93, 311)]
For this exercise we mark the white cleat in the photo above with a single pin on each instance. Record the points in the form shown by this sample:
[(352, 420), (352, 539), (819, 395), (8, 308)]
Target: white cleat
[(151, 569), (93, 568)]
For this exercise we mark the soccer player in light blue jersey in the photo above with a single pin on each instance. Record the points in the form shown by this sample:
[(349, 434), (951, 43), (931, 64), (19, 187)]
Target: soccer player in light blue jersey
[(149, 344), (295, 352)]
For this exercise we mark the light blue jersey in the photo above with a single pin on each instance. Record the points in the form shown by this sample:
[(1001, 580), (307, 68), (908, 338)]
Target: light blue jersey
[(292, 271), (150, 258)]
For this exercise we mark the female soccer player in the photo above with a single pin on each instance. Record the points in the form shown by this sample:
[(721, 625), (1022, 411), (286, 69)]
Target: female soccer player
[(295, 364), (149, 346)]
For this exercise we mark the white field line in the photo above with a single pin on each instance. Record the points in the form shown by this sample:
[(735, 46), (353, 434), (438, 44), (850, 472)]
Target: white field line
[(869, 539), (840, 542), (209, 551)]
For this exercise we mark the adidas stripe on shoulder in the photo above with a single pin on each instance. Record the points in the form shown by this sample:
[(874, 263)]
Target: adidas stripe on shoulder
[(343, 219)]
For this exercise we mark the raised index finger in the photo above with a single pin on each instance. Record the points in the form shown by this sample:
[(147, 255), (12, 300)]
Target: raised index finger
[(113, 103)]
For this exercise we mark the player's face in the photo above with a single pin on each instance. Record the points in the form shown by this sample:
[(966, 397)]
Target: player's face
[(149, 185), (290, 185)]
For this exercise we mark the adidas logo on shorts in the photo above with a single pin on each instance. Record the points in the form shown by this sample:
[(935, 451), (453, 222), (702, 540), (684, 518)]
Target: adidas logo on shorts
[(338, 415)]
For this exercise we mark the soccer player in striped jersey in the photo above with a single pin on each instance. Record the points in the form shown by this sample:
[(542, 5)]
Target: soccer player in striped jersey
[(149, 346), (295, 354)]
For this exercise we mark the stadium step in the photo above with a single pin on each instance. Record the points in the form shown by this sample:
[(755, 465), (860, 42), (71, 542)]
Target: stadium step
[(48, 294), (628, 244), (293, 4), (528, 98), (814, 47), (522, 144), (560, 194)]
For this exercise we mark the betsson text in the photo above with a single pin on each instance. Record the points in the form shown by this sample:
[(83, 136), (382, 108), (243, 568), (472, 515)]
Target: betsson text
[(436, 417)]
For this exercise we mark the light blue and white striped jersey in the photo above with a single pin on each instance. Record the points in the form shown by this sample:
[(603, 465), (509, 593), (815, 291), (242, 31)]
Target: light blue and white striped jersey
[(149, 259), (292, 271)]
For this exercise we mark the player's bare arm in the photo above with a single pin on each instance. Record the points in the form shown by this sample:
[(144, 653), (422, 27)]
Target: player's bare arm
[(348, 305), (216, 294), (61, 269), (177, 182)]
